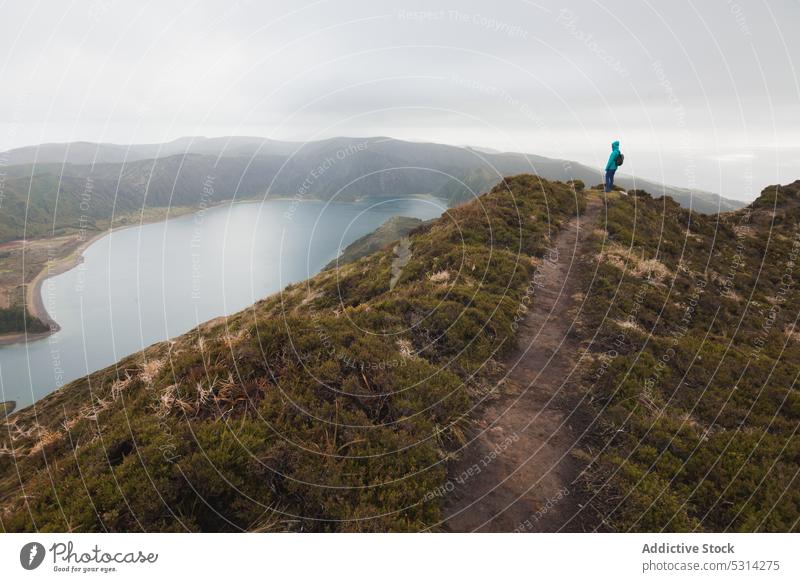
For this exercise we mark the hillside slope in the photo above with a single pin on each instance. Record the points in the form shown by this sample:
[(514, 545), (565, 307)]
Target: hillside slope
[(691, 330), (340, 405), (330, 406)]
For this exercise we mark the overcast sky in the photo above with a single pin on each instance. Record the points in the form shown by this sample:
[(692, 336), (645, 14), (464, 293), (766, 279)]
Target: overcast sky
[(703, 94)]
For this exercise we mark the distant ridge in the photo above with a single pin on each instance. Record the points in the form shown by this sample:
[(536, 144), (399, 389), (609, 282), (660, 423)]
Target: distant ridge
[(45, 185), (464, 162), (83, 152)]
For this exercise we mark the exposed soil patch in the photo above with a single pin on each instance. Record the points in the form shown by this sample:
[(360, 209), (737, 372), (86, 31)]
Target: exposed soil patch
[(518, 471), (402, 254)]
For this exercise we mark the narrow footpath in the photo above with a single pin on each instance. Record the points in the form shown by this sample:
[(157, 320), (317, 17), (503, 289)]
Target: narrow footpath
[(517, 473)]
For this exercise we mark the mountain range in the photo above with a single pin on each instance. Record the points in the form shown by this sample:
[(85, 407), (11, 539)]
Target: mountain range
[(52, 188)]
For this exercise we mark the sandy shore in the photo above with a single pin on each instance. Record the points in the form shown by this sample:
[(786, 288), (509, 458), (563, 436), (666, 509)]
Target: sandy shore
[(33, 298)]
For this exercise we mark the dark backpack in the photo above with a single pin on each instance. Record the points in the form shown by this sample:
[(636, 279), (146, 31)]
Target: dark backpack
[(620, 159)]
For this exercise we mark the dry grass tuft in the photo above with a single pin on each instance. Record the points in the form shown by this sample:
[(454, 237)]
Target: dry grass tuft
[(150, 370), (792, 333), (628, 260), (167, 400), (406, 348), (440, 277), (628, 324), (119, 386), (46, 437)]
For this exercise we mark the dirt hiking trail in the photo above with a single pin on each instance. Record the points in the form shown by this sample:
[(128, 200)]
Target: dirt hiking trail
[(517, 472)]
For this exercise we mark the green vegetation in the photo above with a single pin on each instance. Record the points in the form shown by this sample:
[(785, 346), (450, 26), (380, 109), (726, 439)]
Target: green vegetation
[(16, 318), (693, 372), (55, 200), (332, 406)]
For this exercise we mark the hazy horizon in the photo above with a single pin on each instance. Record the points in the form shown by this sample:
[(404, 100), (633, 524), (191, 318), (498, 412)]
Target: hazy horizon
[(710, 102)]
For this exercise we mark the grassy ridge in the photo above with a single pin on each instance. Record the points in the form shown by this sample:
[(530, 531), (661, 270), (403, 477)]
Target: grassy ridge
[(693, 374), (330, 406)]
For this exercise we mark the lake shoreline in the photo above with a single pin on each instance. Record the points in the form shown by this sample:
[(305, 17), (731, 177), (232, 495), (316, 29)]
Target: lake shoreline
[(130, 277), (33, 295), (34, 302)]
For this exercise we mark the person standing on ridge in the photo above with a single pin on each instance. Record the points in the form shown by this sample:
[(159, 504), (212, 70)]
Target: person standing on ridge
[(614, 161)]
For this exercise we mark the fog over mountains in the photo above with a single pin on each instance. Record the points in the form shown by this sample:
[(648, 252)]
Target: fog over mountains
[(45, 186)]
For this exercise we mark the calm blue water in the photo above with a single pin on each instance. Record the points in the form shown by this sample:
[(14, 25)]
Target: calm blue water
[(145, 284)]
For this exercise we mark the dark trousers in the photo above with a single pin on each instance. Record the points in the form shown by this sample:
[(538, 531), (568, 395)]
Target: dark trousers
[(609, 180)]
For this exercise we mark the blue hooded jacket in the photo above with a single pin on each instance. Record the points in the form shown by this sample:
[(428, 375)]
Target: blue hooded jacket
[(612, 159)]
